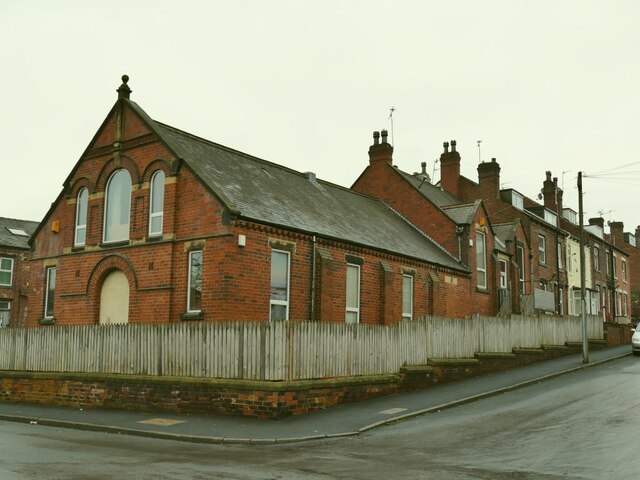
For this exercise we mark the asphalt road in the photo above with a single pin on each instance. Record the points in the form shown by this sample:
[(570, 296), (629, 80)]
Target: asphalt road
[(584, 425)]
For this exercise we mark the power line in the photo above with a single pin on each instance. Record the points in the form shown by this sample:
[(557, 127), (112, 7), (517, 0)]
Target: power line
[(614, 168), (619, 181)]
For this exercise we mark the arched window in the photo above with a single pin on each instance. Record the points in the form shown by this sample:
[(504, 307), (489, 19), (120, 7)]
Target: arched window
[(156, 208), (81, 217), (117, 207)]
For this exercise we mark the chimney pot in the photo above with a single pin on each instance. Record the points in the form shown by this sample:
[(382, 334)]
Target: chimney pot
[(376, 138), (446, 147), (453, 145), (384, 136), (424, 168), (548, 175), (493, 160)]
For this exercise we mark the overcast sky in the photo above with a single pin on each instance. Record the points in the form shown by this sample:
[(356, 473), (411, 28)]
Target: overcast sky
[(545, 85)]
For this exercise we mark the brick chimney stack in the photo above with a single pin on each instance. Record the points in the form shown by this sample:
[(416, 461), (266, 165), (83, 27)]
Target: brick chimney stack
[(380, 151), (552, 194), (489, 179), (617, 233), (450, 168), (559, 194)]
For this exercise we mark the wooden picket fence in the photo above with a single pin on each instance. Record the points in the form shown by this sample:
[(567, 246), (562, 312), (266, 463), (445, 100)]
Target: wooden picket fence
[(276, 351)]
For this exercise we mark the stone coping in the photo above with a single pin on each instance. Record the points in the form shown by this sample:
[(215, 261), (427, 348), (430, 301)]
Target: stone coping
[(453, 362), (414, 369), (261, 385), (528, 351), (495, 355)]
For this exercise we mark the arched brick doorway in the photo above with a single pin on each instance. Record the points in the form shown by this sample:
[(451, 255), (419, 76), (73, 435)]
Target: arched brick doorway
[(114, 298)]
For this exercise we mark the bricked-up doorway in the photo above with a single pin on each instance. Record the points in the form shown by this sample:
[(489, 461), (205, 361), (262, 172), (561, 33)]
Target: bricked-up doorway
[(114, 299)]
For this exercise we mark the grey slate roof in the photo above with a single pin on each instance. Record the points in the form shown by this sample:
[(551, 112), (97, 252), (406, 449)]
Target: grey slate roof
[(437, 196), (8, 239), (462, 214), (506, 231), (265, 192)]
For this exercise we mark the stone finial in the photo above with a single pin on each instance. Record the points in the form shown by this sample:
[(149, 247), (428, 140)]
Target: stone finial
[(376, 138), (124, 91)]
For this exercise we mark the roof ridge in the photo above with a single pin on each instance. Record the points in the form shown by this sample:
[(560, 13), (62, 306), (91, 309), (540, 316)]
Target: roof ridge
[(262, 160), (19, 220), (224, 147), (409, 178)]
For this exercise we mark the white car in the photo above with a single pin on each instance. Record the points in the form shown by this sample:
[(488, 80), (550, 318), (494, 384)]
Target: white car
[(635, 340)]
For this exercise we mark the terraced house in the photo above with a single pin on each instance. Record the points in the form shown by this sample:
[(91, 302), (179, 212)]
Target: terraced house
[(154, 224), (462, 228), (14, 269), (623, 283), (531, 232), (607, 264)]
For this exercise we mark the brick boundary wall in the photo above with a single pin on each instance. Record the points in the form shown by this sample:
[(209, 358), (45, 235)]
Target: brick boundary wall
[(261, 399), (617, 334)]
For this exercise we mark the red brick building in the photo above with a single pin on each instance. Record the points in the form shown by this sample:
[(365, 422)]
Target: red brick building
[(14, 270), (462, 228), (538, 245), (623, 279), (156, 225), (607, 264)]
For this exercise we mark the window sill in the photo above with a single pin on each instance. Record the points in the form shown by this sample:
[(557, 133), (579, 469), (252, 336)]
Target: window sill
[(79, 248), (192, 316), (482, 290), (153, 238), (47, 321), (120, 243)]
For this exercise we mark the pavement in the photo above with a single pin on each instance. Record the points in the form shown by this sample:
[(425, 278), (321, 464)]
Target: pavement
[(340, 421)]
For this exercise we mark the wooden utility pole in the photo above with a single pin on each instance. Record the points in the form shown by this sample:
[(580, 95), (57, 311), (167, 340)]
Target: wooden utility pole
[(583, 303)]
